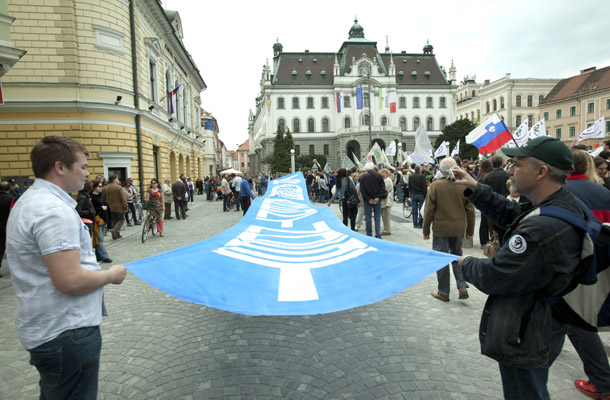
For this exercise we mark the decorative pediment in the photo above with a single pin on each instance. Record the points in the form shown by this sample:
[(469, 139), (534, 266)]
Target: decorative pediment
[(154, 46)]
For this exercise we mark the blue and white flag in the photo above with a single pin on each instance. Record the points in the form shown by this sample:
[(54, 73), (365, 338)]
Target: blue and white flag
[(288, 257), (359, 99)]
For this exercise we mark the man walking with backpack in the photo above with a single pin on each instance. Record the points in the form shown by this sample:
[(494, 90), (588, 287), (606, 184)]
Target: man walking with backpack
[(538, 259)]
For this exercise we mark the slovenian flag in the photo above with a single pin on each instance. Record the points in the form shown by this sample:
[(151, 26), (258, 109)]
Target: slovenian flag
[(338, 97), (171, 95), (490, 135)]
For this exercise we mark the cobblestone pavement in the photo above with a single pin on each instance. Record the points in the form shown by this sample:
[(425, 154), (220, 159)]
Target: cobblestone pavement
[(410, 346)]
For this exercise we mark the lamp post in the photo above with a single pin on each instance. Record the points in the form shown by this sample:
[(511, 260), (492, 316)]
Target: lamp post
[(368, 78), (292, 161)]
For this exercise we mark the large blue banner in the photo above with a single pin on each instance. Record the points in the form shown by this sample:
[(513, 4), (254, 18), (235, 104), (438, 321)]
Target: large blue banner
[(288, 257)]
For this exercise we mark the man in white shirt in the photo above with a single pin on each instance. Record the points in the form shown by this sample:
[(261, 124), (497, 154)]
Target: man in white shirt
[(57, 280), (236, 185)]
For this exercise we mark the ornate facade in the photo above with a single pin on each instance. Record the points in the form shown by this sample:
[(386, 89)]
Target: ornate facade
[(101, 71), (299, 91)]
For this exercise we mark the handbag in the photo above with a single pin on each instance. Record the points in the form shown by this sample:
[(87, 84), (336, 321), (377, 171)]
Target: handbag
[(493, 246)]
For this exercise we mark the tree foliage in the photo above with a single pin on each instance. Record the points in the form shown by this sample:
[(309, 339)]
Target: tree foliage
[(282, 144), (458, 131), (305, 162)]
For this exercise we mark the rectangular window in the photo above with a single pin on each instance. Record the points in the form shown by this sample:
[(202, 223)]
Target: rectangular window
[(415, 102), (607, 104), (152, 70), (518, 120), (326, 149), (530, 101), (572, 111), (311, 150), (518, 101), (297, 150), (346, 102), (607, 126), (402, 103), (429, 102), (443, 103), (310, 102), (324, 102), (530, 120), (295, 102), (558, 113), (280, 103), (590, 108), (572, 131), (558, 133), (546, 116)]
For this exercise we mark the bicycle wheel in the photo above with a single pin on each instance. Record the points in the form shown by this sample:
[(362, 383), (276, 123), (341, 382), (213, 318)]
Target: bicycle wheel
[(406, 208), (145, 228)]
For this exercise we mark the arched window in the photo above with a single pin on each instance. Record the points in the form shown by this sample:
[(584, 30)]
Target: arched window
[(384, 121), (415, 123), (296, 125), (325, 125), (311, 125), (443, 123), (281, 125), (347, 123), (403, 124), (366, 120), (429, 124), (473, 92)]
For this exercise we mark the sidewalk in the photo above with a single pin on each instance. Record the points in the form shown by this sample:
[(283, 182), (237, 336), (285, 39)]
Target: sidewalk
[(410, 346)]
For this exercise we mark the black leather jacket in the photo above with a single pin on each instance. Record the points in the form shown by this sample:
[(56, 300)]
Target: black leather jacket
[(538, 258)]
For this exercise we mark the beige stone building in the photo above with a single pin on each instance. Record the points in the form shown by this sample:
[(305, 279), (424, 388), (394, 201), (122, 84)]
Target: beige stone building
[(9, 54), (513, 99), (103, 72), (577, 102)]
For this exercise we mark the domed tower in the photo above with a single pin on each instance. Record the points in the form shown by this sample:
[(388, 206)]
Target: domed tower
[(357, 32), (428, 49), (277, 48)]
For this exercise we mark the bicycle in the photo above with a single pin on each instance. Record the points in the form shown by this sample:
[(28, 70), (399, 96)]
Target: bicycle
[(407, 210), (150, 221)]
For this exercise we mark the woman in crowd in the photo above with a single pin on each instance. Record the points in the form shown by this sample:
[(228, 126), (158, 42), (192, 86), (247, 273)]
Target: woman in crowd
[(84, 207), (154, 193), (484, 225), (191, 188), (102, 217), (130, 194), (386, 204), (345, 188), (601, 167)]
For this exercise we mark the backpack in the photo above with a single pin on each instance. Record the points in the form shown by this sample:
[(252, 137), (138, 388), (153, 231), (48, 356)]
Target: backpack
[(351, 194), (585, 303)]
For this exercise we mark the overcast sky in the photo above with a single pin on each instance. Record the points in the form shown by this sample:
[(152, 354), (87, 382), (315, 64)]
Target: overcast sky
[(231, 41)]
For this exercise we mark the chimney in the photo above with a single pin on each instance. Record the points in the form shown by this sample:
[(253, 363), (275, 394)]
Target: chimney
[(586, 71), (486, 82)]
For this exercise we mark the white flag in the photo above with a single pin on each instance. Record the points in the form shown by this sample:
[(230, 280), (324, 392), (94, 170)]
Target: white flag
[(521, 135), (456, 149), (347, 163), (538, 130), (423, 148), (441, 151), (595, 131), (391, 149), (327, 169), (356, 161)]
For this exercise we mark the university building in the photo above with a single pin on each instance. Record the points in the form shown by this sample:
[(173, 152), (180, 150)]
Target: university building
[(112, 74), (575, 103), (515, 100), (299, 92)]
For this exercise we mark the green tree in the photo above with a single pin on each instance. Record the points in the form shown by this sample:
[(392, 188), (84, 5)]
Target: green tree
[(282, 144), (305, 162), (458, 131)]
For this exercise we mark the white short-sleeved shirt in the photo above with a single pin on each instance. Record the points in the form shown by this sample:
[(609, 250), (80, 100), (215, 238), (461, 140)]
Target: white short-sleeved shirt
[(44, 221)]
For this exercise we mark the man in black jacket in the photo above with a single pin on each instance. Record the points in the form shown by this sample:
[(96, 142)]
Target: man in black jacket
[(179, 193), (538, 258), (417, 189), (372, 189), (6, 200), (496, 178)]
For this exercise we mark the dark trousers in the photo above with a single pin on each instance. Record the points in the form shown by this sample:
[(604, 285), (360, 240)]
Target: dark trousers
[(485, 230), (180, 208), (69, 364), (591, 351), (349, 213), (132, 209), (417, 201), (530, 384), (2, 246), (451, 245), (245, 203), (226, 200), (168, 211), (118, 219), (237, 197)]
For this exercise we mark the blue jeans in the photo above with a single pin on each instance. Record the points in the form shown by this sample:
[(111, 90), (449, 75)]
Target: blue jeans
[(69, 364), (100, 250), (417, 200), (530, 384), (376, 209)]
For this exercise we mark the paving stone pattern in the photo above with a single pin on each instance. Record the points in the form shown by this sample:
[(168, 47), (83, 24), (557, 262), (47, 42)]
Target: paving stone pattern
[(410, 346)]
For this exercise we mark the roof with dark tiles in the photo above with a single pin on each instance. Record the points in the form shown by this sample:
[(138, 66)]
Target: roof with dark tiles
[(579, 85)]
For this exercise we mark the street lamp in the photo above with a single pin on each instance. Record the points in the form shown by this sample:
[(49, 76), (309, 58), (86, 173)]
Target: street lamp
[(292, 161), (367, 69)]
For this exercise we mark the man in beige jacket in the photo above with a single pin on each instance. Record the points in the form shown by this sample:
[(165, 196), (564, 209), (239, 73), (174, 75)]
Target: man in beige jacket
[(117, 202)]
